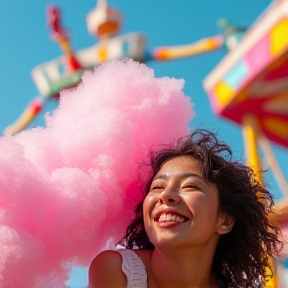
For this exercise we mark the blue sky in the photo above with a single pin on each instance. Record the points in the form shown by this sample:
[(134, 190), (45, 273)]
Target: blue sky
[(25, 43)]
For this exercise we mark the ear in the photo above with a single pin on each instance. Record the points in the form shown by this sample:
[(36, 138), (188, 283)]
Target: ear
[(225, 223)]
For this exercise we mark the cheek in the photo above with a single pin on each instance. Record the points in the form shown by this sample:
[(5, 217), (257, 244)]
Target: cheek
[(195, 200), (200, 204), (148, 205)]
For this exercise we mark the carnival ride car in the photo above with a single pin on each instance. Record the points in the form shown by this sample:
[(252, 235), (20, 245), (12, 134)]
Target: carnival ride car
[(250, 87), (104, 23)]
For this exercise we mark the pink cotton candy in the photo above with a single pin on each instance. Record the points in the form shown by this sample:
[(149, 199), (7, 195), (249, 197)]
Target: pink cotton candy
[(69, 187)]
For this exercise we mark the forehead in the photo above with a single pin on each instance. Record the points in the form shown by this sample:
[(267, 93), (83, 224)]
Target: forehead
[(181, 164)]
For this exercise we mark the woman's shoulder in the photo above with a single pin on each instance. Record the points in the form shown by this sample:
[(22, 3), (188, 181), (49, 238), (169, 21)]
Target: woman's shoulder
[(104, 265)]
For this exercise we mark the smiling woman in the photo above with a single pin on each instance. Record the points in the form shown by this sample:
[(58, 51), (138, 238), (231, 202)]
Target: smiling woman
[(203, 222), (184, 201)]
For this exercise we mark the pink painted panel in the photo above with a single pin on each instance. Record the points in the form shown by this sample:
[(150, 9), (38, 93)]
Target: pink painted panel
[(258, 57)]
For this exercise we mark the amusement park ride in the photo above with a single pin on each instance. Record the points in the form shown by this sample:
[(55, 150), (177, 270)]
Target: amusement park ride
[(249, 86), (104, 23)]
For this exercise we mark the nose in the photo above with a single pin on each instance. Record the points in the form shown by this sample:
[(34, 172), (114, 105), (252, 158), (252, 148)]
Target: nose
[(169, 197)]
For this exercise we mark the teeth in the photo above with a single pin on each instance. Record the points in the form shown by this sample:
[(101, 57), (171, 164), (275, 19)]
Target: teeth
[(171, 217), (174, 217)]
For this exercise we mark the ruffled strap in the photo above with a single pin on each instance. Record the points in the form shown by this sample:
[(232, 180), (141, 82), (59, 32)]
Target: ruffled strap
[(134, 269)]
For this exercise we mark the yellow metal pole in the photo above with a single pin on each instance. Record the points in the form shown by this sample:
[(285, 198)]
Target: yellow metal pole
[(251, 131)]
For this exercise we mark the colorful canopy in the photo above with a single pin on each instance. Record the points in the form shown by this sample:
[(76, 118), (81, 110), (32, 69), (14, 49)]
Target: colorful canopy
[(253, 78)]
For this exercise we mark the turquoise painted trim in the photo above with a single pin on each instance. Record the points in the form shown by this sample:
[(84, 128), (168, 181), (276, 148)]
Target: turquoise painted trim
[(65, 82), (235, 77), (125, 49)]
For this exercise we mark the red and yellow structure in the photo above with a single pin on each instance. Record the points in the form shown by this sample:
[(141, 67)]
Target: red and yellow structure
[(250, 87)]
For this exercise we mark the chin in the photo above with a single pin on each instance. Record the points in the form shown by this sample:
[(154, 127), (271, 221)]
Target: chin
[(168, 241)]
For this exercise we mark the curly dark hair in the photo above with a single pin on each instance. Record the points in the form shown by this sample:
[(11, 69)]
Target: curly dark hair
[(245, 252)]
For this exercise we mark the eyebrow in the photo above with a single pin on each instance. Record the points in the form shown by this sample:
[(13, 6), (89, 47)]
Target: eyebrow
[(184, 175)]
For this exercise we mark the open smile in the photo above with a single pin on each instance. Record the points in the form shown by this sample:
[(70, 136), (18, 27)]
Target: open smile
[(169, 219)]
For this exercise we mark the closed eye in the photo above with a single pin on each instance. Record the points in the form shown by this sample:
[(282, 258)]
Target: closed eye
[(157, 184), (157, 187), (190, 186)]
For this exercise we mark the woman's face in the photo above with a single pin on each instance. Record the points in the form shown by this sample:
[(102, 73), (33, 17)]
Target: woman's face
[(182, 207)]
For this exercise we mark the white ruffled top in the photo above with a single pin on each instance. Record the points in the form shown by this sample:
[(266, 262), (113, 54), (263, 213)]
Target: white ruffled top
[(134, 269)]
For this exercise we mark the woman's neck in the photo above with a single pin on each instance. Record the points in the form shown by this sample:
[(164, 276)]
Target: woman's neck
[(181, 268)]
